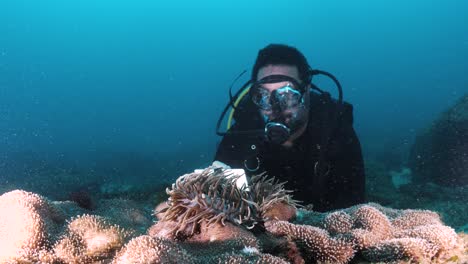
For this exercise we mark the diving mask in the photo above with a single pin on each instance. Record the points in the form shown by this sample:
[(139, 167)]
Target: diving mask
[(286, 97), (283, 109)]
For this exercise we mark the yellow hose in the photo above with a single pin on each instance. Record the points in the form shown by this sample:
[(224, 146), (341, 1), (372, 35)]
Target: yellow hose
[(231, 114)]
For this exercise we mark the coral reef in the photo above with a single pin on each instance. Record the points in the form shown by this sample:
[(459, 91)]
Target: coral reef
[(147, 249), (382, 234), (208, 220), (35, 230), (370, 230)]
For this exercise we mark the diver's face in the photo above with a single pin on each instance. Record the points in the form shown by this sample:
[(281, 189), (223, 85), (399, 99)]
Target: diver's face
[(291, 116)]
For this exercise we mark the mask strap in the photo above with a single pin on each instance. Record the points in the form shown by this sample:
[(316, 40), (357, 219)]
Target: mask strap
[(276, 78)]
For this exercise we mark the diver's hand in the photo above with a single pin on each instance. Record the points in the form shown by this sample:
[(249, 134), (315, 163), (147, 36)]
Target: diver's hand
[(219, 165), (241, 178)]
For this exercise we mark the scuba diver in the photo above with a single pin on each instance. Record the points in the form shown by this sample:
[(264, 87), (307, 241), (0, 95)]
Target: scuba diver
[(286, 126)]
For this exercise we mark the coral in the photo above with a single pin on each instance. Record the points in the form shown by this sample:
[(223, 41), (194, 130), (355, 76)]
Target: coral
[(89, 238), (317, 242), (70, 249), (27, 221), (397, 249), (147, 249), (32, 225), (379, 233), (338, 222), (250, 258), (369, 226), (126, 213), (442, 237), (371, 219), (414, 218)]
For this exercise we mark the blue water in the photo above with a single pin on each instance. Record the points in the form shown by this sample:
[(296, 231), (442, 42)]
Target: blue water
[(82, 81)]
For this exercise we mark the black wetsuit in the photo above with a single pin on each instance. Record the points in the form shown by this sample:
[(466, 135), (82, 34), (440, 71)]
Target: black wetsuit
[(324, 167)]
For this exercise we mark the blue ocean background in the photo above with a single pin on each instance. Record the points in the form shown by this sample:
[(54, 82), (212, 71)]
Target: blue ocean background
[(129, 92)]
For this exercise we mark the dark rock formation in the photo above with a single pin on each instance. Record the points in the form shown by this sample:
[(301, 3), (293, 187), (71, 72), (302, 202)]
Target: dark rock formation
[(440, 153)]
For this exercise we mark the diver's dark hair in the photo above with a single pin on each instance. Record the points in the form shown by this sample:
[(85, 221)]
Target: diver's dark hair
[(282, 54)]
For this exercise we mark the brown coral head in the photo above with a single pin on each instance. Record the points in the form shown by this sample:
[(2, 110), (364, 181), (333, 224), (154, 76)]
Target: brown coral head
[(338, 222)]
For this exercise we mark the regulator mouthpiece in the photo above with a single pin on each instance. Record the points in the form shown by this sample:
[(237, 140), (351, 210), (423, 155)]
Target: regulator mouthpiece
[(277, 133)]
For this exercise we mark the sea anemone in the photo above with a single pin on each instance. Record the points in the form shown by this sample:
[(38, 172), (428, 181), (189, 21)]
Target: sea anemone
[(213, 196)]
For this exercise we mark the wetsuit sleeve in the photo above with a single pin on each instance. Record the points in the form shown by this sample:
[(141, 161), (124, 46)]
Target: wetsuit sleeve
[(349, 166)]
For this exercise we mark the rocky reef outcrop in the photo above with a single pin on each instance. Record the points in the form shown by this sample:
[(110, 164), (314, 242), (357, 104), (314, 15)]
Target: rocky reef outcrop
[(440, 152)]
